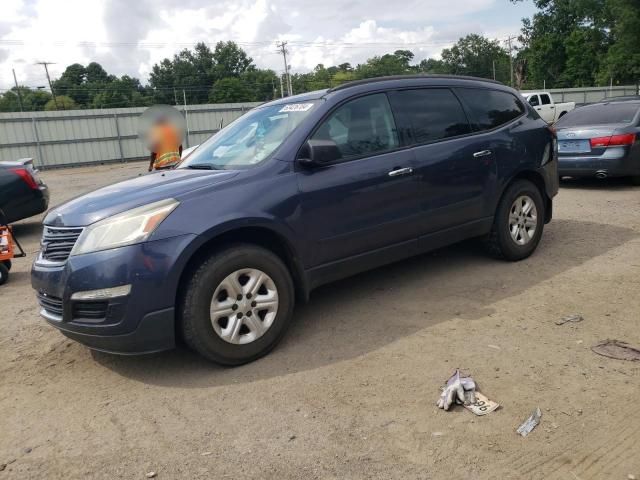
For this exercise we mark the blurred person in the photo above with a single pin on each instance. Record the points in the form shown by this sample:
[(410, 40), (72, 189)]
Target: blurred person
[(165, 144)]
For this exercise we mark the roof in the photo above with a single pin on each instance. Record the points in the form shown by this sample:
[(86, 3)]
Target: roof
[(366, 81), (301, 97)]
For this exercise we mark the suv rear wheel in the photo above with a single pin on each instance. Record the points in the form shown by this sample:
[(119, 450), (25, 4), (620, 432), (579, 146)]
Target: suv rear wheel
[(518, 223), (237, 305)]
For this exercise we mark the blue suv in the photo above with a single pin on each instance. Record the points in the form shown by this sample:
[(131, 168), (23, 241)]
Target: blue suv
[(296, 193)]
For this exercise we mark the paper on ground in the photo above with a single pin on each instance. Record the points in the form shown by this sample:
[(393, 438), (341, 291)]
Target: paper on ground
[(482, 406)]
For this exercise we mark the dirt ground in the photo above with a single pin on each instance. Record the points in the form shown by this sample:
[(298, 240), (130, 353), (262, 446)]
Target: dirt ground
[(350, 393)]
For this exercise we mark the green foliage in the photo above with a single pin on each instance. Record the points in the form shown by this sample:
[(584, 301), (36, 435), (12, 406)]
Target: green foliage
[(93, 87), (61, 102), (572, 43), (32, 100), (476, 56), (230, 89)]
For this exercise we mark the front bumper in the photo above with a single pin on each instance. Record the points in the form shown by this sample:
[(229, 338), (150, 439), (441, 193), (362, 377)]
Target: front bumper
[(141, 322)]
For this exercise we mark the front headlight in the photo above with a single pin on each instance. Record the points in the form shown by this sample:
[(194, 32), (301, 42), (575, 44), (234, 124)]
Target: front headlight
[(127, 228)]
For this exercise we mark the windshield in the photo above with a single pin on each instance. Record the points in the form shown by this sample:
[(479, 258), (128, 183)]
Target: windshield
[(603, 114), (250, 139)]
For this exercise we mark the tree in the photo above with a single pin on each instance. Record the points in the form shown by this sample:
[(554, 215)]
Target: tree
[(231, 60), (476, 55), (229, 90), (196, 71), (62, 102), (120, 93), (263, 84), (433, 66), (389, 64), (72, 83), (622, 59), (582, 42)]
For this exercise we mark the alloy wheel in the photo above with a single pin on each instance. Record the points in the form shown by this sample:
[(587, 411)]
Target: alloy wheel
[(523, 220), (244, 306)]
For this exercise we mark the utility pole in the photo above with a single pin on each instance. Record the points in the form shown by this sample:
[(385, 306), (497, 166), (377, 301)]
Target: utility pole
[(282, 48), (509, 39), (281, 87), (494, 69), (289, 84), (46, 69), (186, 115), (17, 89)]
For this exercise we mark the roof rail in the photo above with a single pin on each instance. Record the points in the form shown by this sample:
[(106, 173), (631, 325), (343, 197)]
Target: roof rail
[(365, 81)]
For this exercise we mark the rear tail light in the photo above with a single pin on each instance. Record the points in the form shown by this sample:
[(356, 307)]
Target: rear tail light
[(613, 141), (27, 177)]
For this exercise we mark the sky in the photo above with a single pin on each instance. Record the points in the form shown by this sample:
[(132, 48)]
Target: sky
[(129, 36)]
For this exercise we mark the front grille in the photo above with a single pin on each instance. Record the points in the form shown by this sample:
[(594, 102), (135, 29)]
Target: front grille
[(90, 310), (57, 242), (51, 304)]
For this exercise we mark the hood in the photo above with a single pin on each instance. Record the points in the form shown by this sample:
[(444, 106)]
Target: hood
[(119, 197)]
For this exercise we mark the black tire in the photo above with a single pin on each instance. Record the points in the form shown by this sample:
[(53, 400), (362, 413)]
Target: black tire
[(7, 263), (194, 306), (4, 274), (499, 242)]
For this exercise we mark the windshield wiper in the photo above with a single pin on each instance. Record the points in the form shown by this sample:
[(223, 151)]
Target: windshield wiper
[(203, 166)]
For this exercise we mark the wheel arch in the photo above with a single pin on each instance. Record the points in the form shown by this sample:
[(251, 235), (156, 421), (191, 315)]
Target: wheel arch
[(259, 235)]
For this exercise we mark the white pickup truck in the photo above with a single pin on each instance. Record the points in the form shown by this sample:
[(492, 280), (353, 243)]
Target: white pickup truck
[(546, 107)]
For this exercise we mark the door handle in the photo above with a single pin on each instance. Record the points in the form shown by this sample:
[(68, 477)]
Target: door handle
[(401, 171), (482, 153), (538, 108)]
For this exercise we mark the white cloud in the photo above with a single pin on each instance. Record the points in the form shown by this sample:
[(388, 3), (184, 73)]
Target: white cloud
[(129, 36)]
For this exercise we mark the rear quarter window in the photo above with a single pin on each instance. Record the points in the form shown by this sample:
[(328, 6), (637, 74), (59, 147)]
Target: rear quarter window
[(601, 114), (490, 109)]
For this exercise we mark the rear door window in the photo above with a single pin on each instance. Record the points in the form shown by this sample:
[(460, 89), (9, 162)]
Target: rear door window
[(545, 99), (534, 101), (364, 126), (432, 113), (490, 109)]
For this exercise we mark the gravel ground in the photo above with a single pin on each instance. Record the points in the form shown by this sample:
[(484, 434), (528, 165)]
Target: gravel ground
[(350, 393)]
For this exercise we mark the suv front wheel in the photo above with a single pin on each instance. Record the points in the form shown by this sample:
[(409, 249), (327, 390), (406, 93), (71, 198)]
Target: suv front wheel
[(518, 223), (237, 305)]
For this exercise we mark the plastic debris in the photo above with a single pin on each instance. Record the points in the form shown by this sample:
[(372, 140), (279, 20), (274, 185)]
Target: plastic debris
[(151, 474), (618, 350), (530, 423), (574, 318)]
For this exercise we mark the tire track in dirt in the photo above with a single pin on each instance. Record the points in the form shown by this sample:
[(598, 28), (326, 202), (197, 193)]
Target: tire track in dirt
[(593, 459)]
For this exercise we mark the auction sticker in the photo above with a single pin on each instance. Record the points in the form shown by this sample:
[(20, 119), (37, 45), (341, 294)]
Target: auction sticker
[(482, 406), (296, 107)]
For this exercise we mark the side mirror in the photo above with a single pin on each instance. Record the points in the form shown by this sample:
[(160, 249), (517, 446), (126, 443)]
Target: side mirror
[(319, 152)]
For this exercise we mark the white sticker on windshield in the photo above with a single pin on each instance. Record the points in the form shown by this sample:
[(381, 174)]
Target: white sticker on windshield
[(296, 107)]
